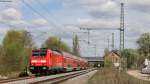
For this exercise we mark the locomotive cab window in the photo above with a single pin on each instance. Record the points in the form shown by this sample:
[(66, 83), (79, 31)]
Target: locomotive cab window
[(35, 53), (41, 53)]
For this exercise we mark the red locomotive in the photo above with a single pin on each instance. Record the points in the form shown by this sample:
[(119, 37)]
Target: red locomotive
[(44, 61)]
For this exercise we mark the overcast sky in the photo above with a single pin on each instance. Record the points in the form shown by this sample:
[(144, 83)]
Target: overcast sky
[(45, 18)]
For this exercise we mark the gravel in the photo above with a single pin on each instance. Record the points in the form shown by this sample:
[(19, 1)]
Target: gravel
[(83, 79)]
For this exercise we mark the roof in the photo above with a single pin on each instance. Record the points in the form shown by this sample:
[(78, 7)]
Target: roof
[(94, 58), (115, 52)]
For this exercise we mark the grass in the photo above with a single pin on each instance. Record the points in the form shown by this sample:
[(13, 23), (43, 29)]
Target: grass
[(112, 76)]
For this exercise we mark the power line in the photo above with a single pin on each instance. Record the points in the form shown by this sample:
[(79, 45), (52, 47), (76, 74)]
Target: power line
[(49, 13), (5, 0), (35, 11), (46, 10)]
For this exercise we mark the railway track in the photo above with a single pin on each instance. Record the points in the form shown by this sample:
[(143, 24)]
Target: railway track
[(52, 79), (15, 79), (62, 78)]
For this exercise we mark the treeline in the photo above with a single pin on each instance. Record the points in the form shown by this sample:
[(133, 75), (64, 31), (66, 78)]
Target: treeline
[(135, 57), (16, 48)]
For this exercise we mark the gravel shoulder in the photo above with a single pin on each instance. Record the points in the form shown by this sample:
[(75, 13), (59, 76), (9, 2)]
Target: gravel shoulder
[(139, 75), (83, 79)]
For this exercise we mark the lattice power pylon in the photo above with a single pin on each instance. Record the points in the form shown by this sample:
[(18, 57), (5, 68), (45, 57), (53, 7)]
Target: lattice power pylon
[(122, 27)]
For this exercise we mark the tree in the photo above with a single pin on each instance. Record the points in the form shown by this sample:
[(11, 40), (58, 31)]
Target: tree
[(55, 43), (27, 39), (17, 47), (132, 56), (76, 46), (106, 52), (107, 62), (144, 45), (28, 44)]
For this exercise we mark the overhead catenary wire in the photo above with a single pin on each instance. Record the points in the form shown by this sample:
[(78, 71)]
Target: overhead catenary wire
[(51, 23), (49, 13), (5, 0), (35, 11), (44, 8)]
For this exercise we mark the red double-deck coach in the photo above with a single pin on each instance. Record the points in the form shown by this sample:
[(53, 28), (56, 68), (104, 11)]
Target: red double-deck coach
[(44, 61)]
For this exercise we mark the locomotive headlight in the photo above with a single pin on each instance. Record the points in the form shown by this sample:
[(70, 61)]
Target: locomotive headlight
[(33, 61), (31, 67), (44, 67), (43, 61)]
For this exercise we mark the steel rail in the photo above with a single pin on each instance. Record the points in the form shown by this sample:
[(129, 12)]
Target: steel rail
[(51, 79), (62, 78), (15, 79)]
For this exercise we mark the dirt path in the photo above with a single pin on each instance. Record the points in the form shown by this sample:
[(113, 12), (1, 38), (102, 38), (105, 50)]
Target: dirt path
[(139, 75)]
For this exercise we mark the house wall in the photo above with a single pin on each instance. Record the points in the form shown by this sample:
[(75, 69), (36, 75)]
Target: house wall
[(111, 58)]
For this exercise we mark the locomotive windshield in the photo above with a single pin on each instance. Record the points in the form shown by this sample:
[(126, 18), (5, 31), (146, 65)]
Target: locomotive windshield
[(43, 53), (35, 53), (40, 53)]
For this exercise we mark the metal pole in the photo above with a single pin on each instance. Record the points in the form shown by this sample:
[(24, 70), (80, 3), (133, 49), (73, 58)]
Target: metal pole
[(95, 50), (113, 41), (123, 24), (88, 36), (122, 27), (108, 42), (59, 43)]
